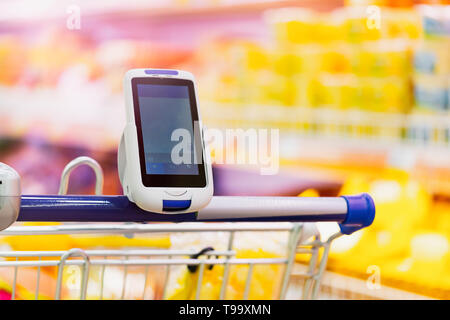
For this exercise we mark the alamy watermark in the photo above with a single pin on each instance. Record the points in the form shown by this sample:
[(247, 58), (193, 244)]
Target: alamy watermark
[(373, 282), (259, 147), (73, 21), (373, 20)]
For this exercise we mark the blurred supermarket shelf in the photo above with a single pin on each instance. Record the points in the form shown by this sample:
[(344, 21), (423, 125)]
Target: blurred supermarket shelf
[(328, 139), (23, 109), (354, 129), (182, 24), (88, 119), (94, 119), (50, 9)]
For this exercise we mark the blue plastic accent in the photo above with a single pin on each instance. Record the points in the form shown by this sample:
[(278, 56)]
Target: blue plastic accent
[(360, 213), (166, 72), (84, 208), (176, 205)]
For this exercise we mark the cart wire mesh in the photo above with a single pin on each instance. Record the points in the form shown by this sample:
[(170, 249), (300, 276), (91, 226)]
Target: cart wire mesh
[(146, 273)]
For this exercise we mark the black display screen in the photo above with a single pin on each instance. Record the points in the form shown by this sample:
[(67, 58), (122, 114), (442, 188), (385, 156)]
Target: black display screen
[(165, 114)]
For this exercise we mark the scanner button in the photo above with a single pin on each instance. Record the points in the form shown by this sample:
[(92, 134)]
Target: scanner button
[(176, 205), (176, 193)]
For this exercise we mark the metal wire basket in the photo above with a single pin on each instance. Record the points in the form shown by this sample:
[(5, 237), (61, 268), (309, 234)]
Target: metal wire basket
[(77, 273)]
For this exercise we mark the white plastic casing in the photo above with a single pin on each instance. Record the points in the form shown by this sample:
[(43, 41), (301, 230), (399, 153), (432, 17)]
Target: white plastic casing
[(10, 195), (151, 198)]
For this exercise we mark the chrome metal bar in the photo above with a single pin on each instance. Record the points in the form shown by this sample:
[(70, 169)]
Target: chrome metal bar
[(99, 180), (145, 282), (273, 207), (166, 278), (323, 263), (38, 279), (248, 281), (13, 293), (142, 262), (311, 272), (71, 253), (198, 288), (125, 273), (143, 228), (226, 271), (84, 279), (93, 253), (294, 237), (102, 279)]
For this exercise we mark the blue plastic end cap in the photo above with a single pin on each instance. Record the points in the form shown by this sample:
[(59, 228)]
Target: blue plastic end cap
[(176, 205), (360, 213), (166, 72)]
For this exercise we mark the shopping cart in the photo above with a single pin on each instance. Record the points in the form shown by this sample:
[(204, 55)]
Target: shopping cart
[(202, 271)]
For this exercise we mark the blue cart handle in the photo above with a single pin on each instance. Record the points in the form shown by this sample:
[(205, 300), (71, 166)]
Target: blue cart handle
[(351, 212)]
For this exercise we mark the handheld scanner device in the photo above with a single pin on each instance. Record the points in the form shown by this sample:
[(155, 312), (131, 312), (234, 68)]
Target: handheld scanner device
[(164, 166), (10, 196)]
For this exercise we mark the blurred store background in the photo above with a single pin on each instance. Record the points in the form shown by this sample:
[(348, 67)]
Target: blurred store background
[(360, 91)]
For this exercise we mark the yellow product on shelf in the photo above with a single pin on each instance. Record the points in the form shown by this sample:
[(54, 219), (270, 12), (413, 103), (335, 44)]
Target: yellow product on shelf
[(337, 59), (402, 204), (226, 81), (400, 23), (299, 59), (264, 285), (270, 89), (282, 91), (314, 91), (430, 252), (427, 265), (305, 92), (265, 88), (289, 92), (256, 57), (293, 25), (247, 67), (396, 95), (389, 94), (337, 91), (251, 88), (289, 63), (356, 25), (384, 58), (330, 30)]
